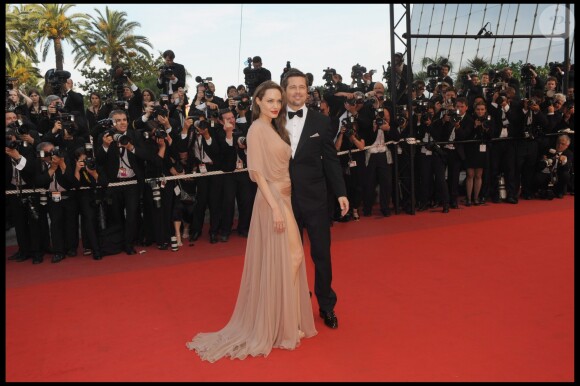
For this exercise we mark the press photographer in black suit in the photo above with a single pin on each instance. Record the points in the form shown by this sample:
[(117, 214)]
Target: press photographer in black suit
[(236, 186), (20, 169), (554, 169), (73, 101), (257, 75), (172, 75), (121, 154), (54, 172)]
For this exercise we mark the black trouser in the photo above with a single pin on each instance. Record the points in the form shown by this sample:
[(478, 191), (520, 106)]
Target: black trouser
[(209, 194), (403, 177), (317, 225), (28, 231), (236, 188), (64, 228), (454, 163), (124, 210), (432, 175), (89, 216), (378, 171), (527, 161), (503, 159), (354, 180), (542, 181)]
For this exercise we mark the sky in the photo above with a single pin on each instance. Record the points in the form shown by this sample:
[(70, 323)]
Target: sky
[(214, 40)]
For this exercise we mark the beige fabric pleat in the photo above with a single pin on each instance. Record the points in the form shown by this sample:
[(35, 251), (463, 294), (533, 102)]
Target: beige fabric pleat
[(273, 308)]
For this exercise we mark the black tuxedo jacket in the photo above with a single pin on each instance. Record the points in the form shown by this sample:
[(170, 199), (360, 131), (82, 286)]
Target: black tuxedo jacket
[(74, 102), (179, 72), (314, 164)]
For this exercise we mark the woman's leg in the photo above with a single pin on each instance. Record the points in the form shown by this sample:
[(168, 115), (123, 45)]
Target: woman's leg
[(477, 183), (469, 184)]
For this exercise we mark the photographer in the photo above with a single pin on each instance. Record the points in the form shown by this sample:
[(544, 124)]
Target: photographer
[(257, 75), (237, 187), (88, 173), (206, 150), (23, 129), (171, 75), (97, 111), (503, 153), (73, 101), (432, 161), (507, 76), (66, 131), (159, 196), (54, 172), (353, 123), (240, 106), (476, 153), (131, 94), (457, 126), (22, 208), (554, 170), (121, 155)]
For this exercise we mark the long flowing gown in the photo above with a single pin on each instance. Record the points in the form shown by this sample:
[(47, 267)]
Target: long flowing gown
[(273, 308)]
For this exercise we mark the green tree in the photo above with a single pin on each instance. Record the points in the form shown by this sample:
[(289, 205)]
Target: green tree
[(52, 26), (22, 68), (111, 39), (19, 36)]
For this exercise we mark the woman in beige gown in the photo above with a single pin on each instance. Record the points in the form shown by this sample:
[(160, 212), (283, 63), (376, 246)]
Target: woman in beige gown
[(273, 308)]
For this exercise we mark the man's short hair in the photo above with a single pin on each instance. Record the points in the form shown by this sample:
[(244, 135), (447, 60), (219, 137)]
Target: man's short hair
[(256, 59), (292, 73), (169, 54)]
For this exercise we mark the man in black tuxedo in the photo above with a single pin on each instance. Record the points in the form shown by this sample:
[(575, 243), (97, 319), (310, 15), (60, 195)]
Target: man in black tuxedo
[(314, 162), (172, 75), (73, 101)]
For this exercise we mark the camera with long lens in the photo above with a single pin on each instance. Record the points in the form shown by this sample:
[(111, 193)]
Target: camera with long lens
[(167, 71), (401, 115), (434, 148), (160, 133), (11, 142), (106, 123), (205, 81), (348, 123), (156, 192), (357, 99), (119, 76), (158, 111), (453, 115), (379, 117), (495, 76), (485, 121), (434, 70), (243, 101), (328, 74), (420, 106), (90, 162), (56, 151), (122, 139), (55, 79), (68, 123), (356, 74), (202, 125), (527, 72)]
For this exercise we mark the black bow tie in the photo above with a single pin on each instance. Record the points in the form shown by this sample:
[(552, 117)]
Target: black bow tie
[(291, 115)]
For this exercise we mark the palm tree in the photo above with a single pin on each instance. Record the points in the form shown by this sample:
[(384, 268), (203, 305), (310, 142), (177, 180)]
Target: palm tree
[(438, 60), (22, 67), (111, 39), (54, 26), (478, 64), (19, 37)]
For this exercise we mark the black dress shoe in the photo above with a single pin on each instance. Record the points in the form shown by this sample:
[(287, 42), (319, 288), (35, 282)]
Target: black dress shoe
[(559, 195), (57, 258), (386, 213), (495, 200), (224, 238), (453, 205), (511, 200), (446, 209), (467, 203), (130, 251), (71, 252), (22, 258), (422, 208), (330, 319), (87, 252), (97, 256), (243, 233), (213, 238), (15, 256), (163, 246), (37, 259), (195, 236)]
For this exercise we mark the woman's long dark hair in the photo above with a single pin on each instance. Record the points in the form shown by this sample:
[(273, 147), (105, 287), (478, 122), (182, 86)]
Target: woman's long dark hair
[(280, 121)]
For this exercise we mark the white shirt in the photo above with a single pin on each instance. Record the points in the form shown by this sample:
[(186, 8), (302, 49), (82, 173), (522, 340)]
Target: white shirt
[(295, 127)]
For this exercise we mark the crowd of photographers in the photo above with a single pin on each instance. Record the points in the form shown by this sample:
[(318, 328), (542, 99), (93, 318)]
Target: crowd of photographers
[(105, 167)]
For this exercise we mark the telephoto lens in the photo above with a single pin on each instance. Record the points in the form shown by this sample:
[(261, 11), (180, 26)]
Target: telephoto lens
[(174, 247)]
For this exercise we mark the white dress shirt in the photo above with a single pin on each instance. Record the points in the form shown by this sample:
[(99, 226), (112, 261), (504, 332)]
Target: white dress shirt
[(295, 127)]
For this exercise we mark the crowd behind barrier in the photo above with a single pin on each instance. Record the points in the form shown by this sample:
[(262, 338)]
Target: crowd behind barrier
[(143, 170)]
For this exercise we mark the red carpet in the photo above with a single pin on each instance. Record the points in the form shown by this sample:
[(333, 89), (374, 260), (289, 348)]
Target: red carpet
[(480, 294)]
